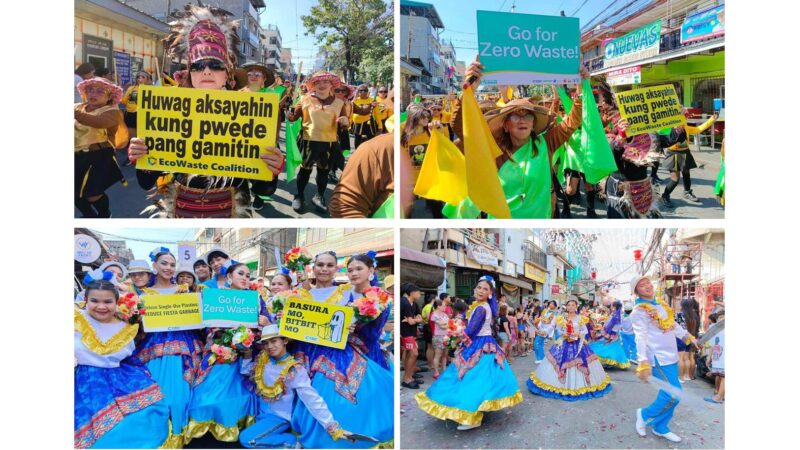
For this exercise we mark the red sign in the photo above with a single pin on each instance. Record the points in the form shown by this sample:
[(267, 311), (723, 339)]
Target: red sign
[(556, 289)]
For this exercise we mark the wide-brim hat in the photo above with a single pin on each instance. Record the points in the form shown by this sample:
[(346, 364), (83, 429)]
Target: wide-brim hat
[(269, 332), (323, 76), (215, 249), (543, 118), (186, 269), (122, 267), (388, 282), (269, 74), (113, 89), (635, 281), (138, 266)]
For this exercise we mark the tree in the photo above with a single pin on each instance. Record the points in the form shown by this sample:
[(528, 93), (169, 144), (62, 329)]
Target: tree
[(352, 30)]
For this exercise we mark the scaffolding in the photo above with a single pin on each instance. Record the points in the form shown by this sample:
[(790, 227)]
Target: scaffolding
[(679, 272)]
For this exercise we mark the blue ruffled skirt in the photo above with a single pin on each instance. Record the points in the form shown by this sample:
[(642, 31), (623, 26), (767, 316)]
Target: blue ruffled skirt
[(372, 413), (611, 354), (221, 404), (114, 405), (570, 372), (486, 386), (171, 358)]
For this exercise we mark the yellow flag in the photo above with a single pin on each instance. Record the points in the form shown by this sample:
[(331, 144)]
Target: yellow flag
[(443, 175), (480, 151), (509, 94)]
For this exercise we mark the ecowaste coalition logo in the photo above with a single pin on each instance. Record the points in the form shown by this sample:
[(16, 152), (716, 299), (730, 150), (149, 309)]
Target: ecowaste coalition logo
[(87, 249), (151, 161)]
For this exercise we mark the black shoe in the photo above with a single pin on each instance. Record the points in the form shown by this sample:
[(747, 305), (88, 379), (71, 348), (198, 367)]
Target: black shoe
[(691, 198), (258, 202), (422, 370), (412, 385), (417, 376), (591, 214), (319, 202), (654, 178), (664, 201), (297, 204)]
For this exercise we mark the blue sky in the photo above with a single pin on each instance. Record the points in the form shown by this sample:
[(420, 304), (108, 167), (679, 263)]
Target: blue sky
[(286, 15), (459, 20), (143, 240)]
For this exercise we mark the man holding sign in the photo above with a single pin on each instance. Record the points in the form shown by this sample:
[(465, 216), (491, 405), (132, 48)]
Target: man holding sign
[(214, 140)]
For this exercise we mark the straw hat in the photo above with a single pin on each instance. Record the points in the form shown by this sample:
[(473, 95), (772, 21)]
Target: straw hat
[(269, 74), (323, 76), (114, 90), (139, 265), (269, 332), (543, 118)]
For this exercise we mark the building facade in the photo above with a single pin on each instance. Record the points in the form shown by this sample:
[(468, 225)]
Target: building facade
[(256, 247), (347, 242), (422, 66), (685, 47)]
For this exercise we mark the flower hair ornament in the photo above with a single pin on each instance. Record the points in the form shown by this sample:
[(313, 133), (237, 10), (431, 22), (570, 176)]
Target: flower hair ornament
[(488, 279), (223, 270), (373, 280), (493, 298), (156, 251), (97, 275)]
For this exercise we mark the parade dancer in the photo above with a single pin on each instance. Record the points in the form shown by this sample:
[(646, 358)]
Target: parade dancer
[(355, 383), (679, 160), (627, 335), (115, 396), (609, 349), (572, 371), (97, 121), (480, 379), (655, 329), (363, 120), (171, 356), (204, 37), (280, 382)]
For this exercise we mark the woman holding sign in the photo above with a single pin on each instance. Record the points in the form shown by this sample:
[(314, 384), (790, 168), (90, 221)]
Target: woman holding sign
[(170, 356), (96, 123), (480, 379), (528, 138), (357, 388), (202, 36), (116, 399), (221, 404)]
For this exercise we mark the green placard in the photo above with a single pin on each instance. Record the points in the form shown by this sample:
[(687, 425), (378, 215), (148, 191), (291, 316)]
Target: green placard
[(528, 49), (228, 308)]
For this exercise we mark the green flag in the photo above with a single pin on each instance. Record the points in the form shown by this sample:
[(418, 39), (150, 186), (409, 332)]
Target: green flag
[(572, 157), (386, 210), (598, 161), (293, 158)]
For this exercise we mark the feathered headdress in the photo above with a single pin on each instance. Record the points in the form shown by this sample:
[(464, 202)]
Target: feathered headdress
[(203, 32)]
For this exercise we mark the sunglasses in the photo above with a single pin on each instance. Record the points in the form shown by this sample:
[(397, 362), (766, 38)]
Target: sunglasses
[(340, 91), (362, 90), (518, 117), (383, 92), (212, 64)]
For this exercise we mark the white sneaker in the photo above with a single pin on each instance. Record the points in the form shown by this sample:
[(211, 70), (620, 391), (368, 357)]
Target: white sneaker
[(467, 427), (641, 427), (682, 381), (670, 436), (537, 362)]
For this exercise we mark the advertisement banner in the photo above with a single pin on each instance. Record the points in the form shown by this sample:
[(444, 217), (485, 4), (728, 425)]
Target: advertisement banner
[(639, 44), (481, 255), (230, 308), (122, 63), (535, 273), (628, 75), (317, 323), (650, 109), (207, 132), (172, 312), (703, 25), (528, 49)]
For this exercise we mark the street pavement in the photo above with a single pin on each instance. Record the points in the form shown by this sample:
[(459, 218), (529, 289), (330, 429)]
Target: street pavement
[(538, 422), (129, 201), (703, 180)]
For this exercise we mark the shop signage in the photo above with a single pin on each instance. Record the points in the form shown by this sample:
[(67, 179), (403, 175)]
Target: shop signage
[(535, 273), (628, 75), (481, 255), (528, 49), (639, 44), (703, 25)]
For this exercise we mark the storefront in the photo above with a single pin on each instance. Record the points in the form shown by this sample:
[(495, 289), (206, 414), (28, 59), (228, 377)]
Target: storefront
[(111, 34), (538, 275), (515, 289)]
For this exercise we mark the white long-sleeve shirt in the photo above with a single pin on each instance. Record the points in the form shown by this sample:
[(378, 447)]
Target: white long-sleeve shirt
[(651, 341), (297, 383), (626, 325)]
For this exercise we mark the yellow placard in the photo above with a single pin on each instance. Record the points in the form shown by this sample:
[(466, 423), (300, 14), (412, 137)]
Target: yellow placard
[(535, 273), (172, 312), (650, 109), (207, 132), (316, 323)]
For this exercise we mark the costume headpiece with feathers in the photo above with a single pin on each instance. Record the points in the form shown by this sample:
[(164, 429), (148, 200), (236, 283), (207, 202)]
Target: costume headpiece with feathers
[(203, 32)]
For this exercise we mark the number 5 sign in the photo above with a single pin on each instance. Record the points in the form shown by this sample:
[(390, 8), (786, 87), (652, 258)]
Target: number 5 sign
[(187, 253)]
